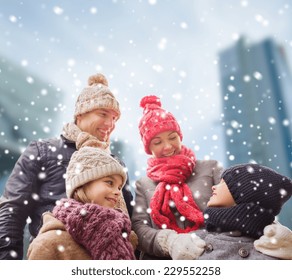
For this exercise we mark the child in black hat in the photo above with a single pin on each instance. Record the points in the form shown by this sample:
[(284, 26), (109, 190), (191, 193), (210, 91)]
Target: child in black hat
[(247, 199)]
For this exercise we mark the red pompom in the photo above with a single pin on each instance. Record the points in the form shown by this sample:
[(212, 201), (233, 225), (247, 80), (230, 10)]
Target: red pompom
[(150, 99)]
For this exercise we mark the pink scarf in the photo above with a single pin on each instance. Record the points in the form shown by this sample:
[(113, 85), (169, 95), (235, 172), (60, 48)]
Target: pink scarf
[(172, 173), (103, 232)]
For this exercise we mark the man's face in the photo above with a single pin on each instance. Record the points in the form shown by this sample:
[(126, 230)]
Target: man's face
[(99, 123)]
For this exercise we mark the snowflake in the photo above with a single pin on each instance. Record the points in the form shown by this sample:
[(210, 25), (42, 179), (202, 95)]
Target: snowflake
[(42, 175), (148, 210), (66, 204), (35, 196), (183, 25), (139, 209), (257, 75), (83, 212), (182, 218), (61, 248), (13, 18), (274, 240), (78, 168), (31, 157), (250, 169), (152, 2), (13, 254), (197, 194), (133, 203), (58, 10), (93, 10), (175, 189), (283, 192)]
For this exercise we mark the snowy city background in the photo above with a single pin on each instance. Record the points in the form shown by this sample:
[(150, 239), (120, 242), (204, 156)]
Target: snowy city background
[(162, 47)]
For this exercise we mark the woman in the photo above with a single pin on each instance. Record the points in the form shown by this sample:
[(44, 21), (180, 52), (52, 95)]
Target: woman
[(176, 189)]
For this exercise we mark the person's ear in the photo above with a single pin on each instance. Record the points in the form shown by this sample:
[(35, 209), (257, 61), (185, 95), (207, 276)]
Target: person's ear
[(77, 121)]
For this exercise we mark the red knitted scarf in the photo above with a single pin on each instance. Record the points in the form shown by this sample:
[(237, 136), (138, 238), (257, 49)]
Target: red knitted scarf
[(172, 173)]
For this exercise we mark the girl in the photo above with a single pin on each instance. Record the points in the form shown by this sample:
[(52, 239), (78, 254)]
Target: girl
[(86, 225)]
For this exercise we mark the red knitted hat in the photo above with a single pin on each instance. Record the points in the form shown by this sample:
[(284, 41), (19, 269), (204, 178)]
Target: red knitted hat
[(155, 120)]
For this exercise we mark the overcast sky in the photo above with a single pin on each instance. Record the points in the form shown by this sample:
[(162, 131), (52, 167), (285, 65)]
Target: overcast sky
[(168, 48)]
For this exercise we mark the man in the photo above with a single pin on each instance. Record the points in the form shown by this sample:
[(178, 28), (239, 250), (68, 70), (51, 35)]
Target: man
[(37, 180)]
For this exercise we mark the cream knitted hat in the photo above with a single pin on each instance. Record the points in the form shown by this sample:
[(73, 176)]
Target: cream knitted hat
[(88, 164), (96, 95)]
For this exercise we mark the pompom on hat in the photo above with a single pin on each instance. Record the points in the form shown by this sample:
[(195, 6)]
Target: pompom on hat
[(155, 120), (96, 95), (90, 163)]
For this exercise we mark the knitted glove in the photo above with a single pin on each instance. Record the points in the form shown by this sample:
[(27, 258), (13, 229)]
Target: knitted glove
[(276, 242), (184, 246)]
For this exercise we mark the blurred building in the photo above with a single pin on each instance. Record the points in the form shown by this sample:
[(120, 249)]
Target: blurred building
[(256, 86), (28, 111)]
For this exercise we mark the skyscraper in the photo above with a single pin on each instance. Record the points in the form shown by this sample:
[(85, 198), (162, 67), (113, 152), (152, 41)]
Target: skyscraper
[(28, 111), (256, 86)]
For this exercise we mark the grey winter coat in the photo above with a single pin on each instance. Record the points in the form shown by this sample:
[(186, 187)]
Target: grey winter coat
[(36, 182), (228, 246), (206, 174)]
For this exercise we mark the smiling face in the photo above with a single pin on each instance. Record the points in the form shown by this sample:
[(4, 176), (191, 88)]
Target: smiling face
[(165, 144), (104, 191), (221, 196), (99, 123)]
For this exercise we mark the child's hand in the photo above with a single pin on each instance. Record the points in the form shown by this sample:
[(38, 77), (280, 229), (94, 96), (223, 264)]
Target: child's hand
[(276, 242)]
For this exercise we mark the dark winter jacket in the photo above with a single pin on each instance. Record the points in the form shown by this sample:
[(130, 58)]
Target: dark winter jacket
[(36, 182)]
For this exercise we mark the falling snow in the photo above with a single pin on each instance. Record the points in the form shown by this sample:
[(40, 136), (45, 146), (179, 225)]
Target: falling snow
[(227, 111)]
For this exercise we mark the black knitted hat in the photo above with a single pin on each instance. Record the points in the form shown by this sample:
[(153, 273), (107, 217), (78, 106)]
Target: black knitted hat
[(259, 193), (254, 183)]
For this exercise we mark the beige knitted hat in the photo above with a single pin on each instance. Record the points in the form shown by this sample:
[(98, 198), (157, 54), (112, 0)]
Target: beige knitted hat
[(88, 164), (96, 95)]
